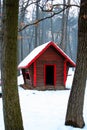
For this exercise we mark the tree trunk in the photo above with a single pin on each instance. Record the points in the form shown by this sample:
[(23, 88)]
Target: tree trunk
[(65, 16), (74, 114), (62, 43), (37, 26), (0, 31), (11, 107)]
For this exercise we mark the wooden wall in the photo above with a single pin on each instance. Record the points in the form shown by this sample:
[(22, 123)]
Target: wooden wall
[(50, 57)]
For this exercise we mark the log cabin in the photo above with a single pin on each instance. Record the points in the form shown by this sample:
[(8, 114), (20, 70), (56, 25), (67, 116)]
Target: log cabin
[(46, 67)]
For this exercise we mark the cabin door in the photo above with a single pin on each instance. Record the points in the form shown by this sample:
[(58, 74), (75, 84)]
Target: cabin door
[(49, 75)]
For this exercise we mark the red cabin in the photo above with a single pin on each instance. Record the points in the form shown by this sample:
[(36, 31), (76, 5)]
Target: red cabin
[(46, 67)]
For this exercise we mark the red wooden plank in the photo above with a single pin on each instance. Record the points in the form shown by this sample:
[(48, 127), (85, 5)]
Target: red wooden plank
[(35, 74), (54, 75), (65, 72)]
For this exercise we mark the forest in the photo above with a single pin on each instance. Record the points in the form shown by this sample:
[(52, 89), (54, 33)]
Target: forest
[(56, 25)]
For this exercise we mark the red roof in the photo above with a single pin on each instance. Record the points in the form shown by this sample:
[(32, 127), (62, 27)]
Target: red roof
[(38, 51)]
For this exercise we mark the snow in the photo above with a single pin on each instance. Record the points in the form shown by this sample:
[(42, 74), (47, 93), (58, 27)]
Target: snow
[(45, 110)]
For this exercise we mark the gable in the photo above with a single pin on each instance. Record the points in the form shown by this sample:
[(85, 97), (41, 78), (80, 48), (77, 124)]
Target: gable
[(50, 55)]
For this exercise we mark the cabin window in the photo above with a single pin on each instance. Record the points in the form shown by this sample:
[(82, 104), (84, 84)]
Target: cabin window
[(27, 75)]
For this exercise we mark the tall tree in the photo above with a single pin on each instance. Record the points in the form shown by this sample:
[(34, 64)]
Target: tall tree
[(37, 25), (0, 30), (65, 16), (74, 114), (11, 107)]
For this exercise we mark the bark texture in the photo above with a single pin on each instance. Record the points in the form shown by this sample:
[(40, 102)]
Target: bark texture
[(11, 106), (74, 116)]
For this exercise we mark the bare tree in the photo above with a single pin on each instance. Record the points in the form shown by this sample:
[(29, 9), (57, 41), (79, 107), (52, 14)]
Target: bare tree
[(65, 16), (0, 30), (10, 97), (74, 115), (37, 25)]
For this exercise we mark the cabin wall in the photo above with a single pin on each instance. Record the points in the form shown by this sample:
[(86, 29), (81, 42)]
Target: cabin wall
[(50, 57)]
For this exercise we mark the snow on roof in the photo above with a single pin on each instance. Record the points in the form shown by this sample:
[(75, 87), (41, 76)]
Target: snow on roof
[(32, 55), (36, 53)]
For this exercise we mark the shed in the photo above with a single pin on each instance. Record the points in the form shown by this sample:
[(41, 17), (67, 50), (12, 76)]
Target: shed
[(46, 67)]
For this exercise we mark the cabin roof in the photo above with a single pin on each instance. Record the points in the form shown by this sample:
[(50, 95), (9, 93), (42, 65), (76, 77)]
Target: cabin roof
[(38, 51)]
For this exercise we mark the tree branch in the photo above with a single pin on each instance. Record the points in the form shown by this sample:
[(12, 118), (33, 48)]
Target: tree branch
[(48, 17)]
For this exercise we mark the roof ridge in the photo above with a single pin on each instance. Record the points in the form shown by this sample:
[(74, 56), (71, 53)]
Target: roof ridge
[(35, 53)]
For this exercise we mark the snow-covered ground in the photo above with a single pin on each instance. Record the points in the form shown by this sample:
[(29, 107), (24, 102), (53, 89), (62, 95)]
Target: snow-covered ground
[(45, 110)]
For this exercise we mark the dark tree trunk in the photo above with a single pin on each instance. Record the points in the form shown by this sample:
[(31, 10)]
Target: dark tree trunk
[(11, 107), (0, 30), (74, 114)]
